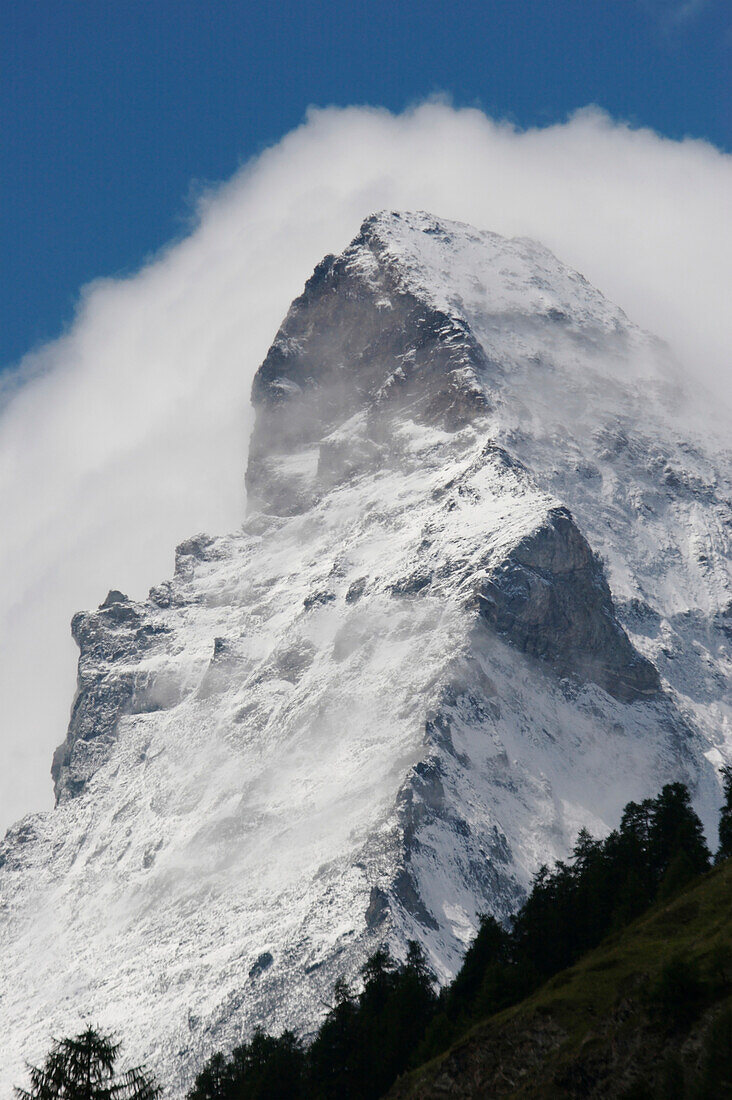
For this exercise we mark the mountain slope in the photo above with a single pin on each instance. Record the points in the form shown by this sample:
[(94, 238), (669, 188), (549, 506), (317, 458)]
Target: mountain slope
[(409, 679), (619, 1020)]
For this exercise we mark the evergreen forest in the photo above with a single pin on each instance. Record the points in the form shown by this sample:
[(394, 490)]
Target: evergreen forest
[(382, 1037), (397, 1020)]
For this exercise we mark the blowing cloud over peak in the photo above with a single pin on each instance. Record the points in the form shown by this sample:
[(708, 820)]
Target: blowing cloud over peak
[(129, 433)]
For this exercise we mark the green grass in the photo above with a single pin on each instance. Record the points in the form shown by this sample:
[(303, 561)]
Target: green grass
[(614, 1012)]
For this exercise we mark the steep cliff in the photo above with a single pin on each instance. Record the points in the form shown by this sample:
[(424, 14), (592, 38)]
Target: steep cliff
[(479, 601)]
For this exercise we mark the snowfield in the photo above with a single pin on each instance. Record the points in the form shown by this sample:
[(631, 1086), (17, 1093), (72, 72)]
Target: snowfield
[(481, 599)]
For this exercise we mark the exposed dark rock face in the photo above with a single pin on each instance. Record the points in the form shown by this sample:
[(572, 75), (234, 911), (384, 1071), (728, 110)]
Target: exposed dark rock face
[(262, 963), (369, 715), (357, 354), (112, 640), (377, 909), (355, 342), (551, 600)]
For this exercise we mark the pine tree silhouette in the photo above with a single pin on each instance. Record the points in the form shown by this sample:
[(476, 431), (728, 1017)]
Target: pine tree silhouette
[(83, 1068), (725, 817)]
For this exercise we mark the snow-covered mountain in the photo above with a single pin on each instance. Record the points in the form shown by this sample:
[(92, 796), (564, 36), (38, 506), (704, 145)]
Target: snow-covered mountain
[(482, 597)]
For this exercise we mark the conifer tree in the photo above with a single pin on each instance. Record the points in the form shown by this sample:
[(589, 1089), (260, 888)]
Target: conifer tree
[(212, 1083), (675, 828), (82, 1067), (485, 964), (397, 1020), (725, 818)]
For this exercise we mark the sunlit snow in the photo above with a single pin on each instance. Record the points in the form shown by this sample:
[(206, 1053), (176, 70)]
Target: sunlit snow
[(327, 747)]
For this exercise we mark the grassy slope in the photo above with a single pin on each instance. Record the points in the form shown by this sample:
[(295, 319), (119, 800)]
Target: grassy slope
[(600, 1028)]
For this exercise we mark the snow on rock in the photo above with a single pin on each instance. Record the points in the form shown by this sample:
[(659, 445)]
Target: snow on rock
[(369, 716)]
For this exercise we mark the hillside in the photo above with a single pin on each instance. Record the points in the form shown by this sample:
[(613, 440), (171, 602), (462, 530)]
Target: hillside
[(635, 1018)]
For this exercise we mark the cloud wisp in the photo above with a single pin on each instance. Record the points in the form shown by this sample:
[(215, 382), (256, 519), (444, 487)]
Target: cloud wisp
[(129, 433)]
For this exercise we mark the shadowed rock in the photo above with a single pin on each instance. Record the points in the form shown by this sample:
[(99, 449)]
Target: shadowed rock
[(551, 600)]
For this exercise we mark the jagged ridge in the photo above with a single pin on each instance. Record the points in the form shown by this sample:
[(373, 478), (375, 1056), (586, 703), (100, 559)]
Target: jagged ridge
[(371, 714)]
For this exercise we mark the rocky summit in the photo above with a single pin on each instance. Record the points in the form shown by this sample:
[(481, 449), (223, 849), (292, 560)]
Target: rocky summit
[(481, 598)]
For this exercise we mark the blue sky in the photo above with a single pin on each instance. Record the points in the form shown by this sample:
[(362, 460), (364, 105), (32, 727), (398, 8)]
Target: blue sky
[(112, 114)]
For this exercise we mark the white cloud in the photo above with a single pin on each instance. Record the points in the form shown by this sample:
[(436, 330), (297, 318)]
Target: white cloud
[(130, 433)]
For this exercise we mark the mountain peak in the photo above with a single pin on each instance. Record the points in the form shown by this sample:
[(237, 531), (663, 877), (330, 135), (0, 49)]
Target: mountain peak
[(478, 602), (424, 320), (467, 272)]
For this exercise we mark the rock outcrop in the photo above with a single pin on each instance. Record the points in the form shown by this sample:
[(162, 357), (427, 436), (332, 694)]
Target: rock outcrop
[(464, 617), (551, 600)]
